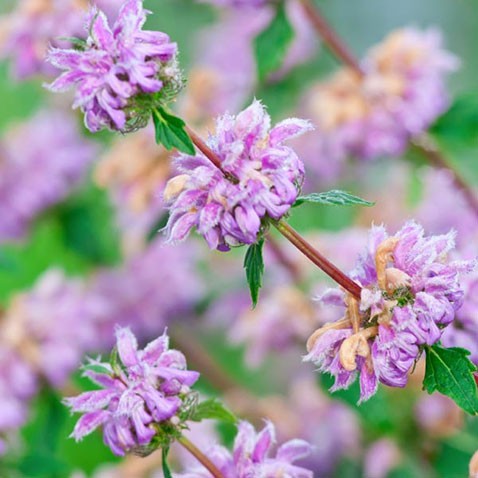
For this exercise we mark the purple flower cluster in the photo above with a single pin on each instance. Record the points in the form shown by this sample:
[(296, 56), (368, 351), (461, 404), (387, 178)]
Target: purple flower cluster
[(40, 341), (18, 383), (259, 178), (120, 71), (463, 332), (42, 160), (45, 331), (42, 324), (251, 456), (34, 25), (145, 390), (399, 96), (411, 292)]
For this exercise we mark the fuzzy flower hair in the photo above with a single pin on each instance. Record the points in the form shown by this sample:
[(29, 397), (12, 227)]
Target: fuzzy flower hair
[(410, 293), (146, 389), (252, 456), (120, 71), (259, 178)]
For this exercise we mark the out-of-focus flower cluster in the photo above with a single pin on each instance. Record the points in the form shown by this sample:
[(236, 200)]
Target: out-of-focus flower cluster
[(400, 94), (260, 177), (224, 75), (27, 32), (42, 160), (135, 171)]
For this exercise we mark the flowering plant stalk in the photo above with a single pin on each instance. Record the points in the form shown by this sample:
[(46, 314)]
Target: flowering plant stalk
[(232, 188)]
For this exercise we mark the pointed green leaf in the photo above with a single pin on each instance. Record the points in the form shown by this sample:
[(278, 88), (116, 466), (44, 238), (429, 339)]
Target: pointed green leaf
[(450, 372), (170, 131), (334, 198), (97, 368), (164, 461), (213, 409), (254, 265), (271, 45)]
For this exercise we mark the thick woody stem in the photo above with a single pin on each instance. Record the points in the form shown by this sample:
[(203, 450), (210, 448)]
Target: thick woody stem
[(318, 259), (199, 455), (428, 148), (330, 37)]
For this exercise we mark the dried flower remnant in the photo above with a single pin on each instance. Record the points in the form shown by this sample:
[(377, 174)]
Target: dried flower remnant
[(251, 456), (144, 392), (43, 159), (122, 73), (399, 96), (260, 178), (411, 292)]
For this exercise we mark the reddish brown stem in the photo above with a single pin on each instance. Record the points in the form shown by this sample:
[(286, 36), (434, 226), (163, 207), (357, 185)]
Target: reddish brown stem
[(318, 259), (330, 37), (201, 457), (428, 148), (204, 148)]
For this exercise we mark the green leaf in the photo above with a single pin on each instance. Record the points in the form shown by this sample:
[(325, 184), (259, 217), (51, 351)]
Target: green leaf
[(459, 125), (164, 461), (97, 368), (254, 265), (334, 198), (271, 45), (170, 131), (450, 372), (213, 409)]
